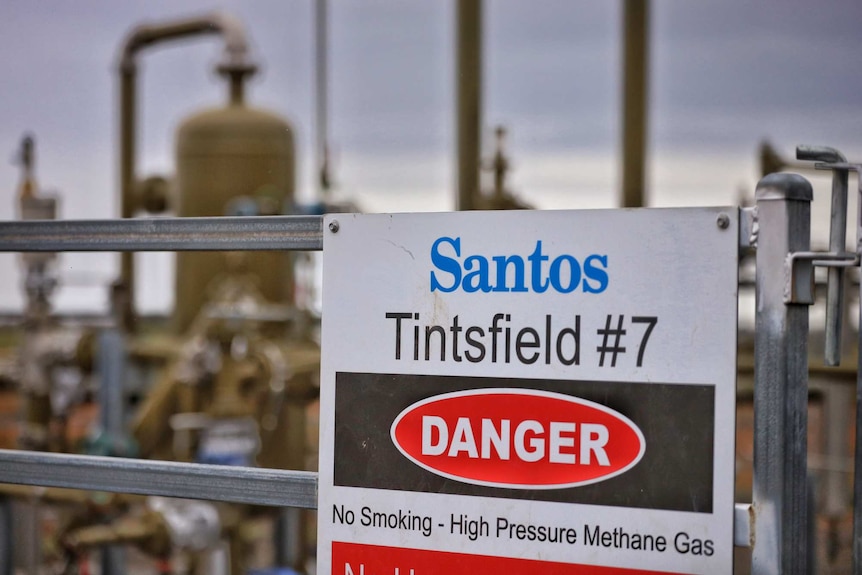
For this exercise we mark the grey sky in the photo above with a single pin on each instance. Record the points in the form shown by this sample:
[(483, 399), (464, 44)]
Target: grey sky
[(725, 74)]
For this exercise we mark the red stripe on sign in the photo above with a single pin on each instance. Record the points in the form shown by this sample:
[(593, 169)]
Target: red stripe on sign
[(356, 559)]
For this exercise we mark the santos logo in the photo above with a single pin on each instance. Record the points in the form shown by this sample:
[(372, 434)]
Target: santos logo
[(517, 438), (514, 273)]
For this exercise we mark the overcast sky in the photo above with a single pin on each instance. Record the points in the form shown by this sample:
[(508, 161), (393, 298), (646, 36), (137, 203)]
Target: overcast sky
[(725, 74)]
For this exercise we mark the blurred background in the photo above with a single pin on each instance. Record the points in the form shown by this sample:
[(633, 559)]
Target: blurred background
[(722, 77), (380, 106)]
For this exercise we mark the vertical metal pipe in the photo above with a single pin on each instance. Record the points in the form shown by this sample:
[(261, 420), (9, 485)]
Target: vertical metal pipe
[(811, 533), (635, 96), (835, 278), (113, 560), (857, 465), (128, 111), (468, 82), (780, 381), (28, 535), (7, 539), (837, 413), (289, 539), (837, 244), (857, 460), (292, 525), (111, 365), (321, 77), (125, 307)]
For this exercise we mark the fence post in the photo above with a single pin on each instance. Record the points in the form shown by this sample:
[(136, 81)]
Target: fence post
[(781, 377)]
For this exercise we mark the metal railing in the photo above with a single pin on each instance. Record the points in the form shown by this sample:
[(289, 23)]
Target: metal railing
[(164, 234), (249, 485)]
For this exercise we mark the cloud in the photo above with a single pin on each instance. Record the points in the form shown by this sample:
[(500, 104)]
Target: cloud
[(724, 75)]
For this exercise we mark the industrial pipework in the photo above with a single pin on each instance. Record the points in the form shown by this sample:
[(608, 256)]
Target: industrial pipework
[(468, 83), (235, 64)]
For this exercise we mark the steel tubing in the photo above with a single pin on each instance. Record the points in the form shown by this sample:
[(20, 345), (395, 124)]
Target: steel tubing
[(164, 234), (250, 485)]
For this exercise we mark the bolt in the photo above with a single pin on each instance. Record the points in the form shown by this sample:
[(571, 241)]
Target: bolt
[(723, 221), (333, 226)]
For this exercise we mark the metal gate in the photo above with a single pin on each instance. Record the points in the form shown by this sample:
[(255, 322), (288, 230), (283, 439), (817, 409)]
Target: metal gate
[(145, 477), (775, 525)]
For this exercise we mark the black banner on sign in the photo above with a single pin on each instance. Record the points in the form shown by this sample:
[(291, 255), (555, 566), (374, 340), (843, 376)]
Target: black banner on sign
[(677, 422)]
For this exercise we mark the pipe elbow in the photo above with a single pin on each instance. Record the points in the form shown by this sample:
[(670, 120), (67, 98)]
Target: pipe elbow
[(820, 154), (236, 46)]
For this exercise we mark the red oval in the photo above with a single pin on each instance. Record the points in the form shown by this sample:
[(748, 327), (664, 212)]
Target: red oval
[(518, 438)]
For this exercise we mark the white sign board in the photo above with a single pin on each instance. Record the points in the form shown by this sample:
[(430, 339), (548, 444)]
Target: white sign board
[(528, 392)]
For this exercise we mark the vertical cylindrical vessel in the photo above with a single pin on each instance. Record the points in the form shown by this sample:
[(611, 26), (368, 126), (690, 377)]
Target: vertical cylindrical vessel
[(224, 156)]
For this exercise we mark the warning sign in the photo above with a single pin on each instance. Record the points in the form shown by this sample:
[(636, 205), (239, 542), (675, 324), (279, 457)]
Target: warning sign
[(535, 392)]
